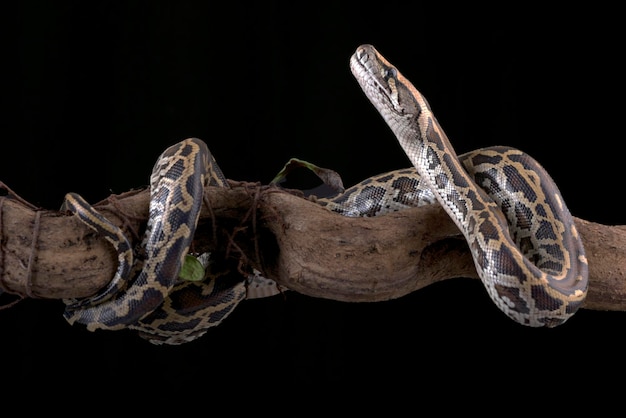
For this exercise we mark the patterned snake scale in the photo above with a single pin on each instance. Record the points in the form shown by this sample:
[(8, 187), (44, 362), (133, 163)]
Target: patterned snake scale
[(533, 265), (155, 303), (522, 237)]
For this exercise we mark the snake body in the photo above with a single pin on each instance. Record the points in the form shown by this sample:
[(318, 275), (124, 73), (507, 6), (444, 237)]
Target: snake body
[(140, 303), (534, 270), (522, 237), (125, 258)]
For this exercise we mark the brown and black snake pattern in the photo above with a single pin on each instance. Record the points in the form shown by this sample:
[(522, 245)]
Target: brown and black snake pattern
[(522, 237), (534, 269), (155, 292)]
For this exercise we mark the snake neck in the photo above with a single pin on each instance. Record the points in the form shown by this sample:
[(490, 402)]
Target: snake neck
[(408, 114), (410, 118)]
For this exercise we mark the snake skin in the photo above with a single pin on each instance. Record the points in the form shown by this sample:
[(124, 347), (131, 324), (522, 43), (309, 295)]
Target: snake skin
[(141, 303), (534, 269), (522, 237)]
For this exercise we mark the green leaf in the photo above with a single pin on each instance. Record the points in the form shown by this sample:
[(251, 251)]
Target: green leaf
[(192, 269)]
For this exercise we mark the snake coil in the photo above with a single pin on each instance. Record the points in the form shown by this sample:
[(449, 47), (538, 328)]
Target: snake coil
[(522, 237)]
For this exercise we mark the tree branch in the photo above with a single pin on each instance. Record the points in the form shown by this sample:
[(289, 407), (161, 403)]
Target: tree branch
[(290, 239)]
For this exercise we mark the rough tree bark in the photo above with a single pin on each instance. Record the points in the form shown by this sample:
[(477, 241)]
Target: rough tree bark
[(297, 243)]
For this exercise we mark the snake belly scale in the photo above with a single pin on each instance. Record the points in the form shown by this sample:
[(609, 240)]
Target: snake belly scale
[(525, 246)]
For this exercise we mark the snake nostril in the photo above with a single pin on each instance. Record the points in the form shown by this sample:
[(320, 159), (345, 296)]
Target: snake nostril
[(361, 54)]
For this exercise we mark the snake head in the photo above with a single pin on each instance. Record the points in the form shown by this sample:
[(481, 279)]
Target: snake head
[(396, 99)]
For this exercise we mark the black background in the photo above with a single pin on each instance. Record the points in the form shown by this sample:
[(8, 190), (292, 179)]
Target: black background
[(96, 90)]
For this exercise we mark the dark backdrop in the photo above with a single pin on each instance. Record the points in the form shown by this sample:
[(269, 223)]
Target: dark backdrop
[(97, 90)]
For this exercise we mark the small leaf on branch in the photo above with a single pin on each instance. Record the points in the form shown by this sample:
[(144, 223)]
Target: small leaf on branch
[(192, 269)]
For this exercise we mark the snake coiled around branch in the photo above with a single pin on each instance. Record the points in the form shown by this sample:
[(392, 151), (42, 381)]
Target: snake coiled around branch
[(521, 235), (532, 264)]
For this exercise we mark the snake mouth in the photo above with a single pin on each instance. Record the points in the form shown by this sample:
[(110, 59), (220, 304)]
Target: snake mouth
[(362, 57), (363, 66), (377, 78)]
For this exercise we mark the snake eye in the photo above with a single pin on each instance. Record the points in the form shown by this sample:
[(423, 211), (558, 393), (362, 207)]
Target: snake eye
[(390, 73)]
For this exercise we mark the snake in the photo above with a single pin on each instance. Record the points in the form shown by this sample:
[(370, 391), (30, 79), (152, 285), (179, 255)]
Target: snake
[(534, 267), (522, 237), (146, 293)]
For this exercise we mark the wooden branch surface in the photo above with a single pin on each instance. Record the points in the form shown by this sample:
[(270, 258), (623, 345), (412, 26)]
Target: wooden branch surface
[(290, 239)]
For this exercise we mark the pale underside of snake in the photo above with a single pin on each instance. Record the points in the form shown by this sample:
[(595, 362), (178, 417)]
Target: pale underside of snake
[(522, 237)]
